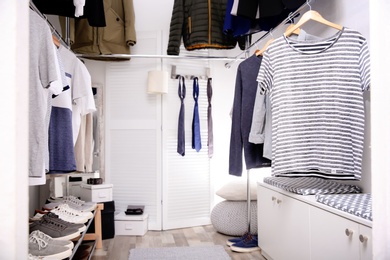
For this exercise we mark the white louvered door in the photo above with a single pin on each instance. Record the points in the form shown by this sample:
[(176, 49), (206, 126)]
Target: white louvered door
[(186, 182), (141, 138)]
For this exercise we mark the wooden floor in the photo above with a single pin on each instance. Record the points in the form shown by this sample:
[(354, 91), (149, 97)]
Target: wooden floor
[(118, 247)]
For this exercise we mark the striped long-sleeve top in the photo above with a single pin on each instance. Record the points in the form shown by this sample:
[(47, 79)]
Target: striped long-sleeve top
[(316, 93)]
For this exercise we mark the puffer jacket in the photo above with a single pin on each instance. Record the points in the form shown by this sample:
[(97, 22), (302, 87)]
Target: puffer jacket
[(116, 38), (200, 24)]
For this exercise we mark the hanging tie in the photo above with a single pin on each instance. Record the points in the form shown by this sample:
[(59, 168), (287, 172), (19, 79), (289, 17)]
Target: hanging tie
[(196, 139), (180, 130), (210, 118)]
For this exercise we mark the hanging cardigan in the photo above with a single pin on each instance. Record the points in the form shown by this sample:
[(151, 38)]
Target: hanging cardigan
[(244, 99)]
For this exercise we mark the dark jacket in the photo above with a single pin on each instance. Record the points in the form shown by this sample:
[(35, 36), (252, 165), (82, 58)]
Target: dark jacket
[(200, 24)]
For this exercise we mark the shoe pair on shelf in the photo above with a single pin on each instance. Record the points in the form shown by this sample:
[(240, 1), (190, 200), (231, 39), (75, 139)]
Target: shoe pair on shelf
[(53, 217), (74, 215), (244, 244), (42, 246), (56, 228), (73, 202)]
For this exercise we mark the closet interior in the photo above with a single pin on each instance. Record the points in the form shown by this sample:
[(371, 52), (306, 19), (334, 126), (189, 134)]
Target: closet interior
[(262, 133)]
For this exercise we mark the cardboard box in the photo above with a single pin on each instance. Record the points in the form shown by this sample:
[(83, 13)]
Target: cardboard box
[(96, 193), (130, 225)]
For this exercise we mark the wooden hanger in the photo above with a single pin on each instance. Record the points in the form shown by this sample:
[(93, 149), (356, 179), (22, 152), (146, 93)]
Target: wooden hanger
[(260, 52), (311, 15), (56, 41), (297, 31)]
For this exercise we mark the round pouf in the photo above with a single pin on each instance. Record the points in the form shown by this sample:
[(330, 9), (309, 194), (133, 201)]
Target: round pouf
[(230, 217)]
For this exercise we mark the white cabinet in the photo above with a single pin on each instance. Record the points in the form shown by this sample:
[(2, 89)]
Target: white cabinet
[(292, 226), (283, 229), (336, 237), (365, 242), (333, 237)]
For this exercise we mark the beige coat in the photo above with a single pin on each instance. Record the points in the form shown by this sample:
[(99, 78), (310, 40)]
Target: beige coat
[(116, 38)]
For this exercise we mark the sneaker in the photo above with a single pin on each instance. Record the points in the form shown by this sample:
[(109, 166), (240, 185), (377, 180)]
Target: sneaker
[(70, 208), (71, 215), (48, 239), (237, 239), (38, 216), (80, 204), (52, 205), (249, 244), (56, 218), (54, 229), (33, 257), (38, 247), (73, 202)]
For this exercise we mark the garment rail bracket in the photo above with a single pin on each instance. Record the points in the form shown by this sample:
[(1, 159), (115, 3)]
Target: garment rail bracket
[(176, 76)]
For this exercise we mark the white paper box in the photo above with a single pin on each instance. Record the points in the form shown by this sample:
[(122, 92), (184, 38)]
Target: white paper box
[(131, 225), (96, 193)]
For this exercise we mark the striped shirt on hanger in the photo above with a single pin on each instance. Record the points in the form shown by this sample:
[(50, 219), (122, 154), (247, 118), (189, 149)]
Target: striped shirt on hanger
[(317, 104)]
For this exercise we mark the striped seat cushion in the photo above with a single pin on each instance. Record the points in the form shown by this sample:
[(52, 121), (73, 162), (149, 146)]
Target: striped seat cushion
[(311, 185), (357, 204)]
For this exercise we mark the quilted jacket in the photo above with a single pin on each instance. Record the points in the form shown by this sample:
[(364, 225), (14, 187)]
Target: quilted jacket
[(116, 38), (200, 24)]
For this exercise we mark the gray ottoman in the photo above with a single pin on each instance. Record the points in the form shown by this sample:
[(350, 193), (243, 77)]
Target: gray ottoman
[(230, 217)]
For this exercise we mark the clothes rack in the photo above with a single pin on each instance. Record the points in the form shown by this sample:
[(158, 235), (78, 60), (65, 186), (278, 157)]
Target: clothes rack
[(248, 183), (246, 52), (156, 56), (288, 19)]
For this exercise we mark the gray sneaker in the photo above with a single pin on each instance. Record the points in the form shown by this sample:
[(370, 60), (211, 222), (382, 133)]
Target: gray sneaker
[(33, 257), (66, 243), (40, 248), (55, 218), (54, 229)]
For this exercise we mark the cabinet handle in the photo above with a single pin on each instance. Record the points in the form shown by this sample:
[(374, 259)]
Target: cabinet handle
[(273, 198), (362, 238), (348, 232), (278, 201)]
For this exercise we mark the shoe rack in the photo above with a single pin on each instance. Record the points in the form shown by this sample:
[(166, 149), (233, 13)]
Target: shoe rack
[(95, 237)]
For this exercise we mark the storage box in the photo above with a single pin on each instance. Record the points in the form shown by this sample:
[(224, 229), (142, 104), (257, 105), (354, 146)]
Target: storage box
[(96, 193), (108, 225), (131, 225)]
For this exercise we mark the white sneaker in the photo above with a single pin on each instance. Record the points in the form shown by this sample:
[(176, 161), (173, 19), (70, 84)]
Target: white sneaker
[(68, 214), (85, 206), (80, 204)]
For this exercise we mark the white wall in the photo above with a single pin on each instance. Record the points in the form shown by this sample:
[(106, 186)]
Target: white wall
[(380, 60), (14, 129)]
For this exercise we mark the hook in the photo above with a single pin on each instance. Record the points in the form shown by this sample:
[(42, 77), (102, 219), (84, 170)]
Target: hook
[(272, 36), (308, 3)]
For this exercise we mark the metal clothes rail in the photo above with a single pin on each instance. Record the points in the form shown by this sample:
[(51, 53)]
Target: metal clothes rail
[(289, 18), (52, 28)]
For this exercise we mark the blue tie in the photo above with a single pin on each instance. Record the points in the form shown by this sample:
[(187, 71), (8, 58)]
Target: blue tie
[(196, 139), (181, 142)]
